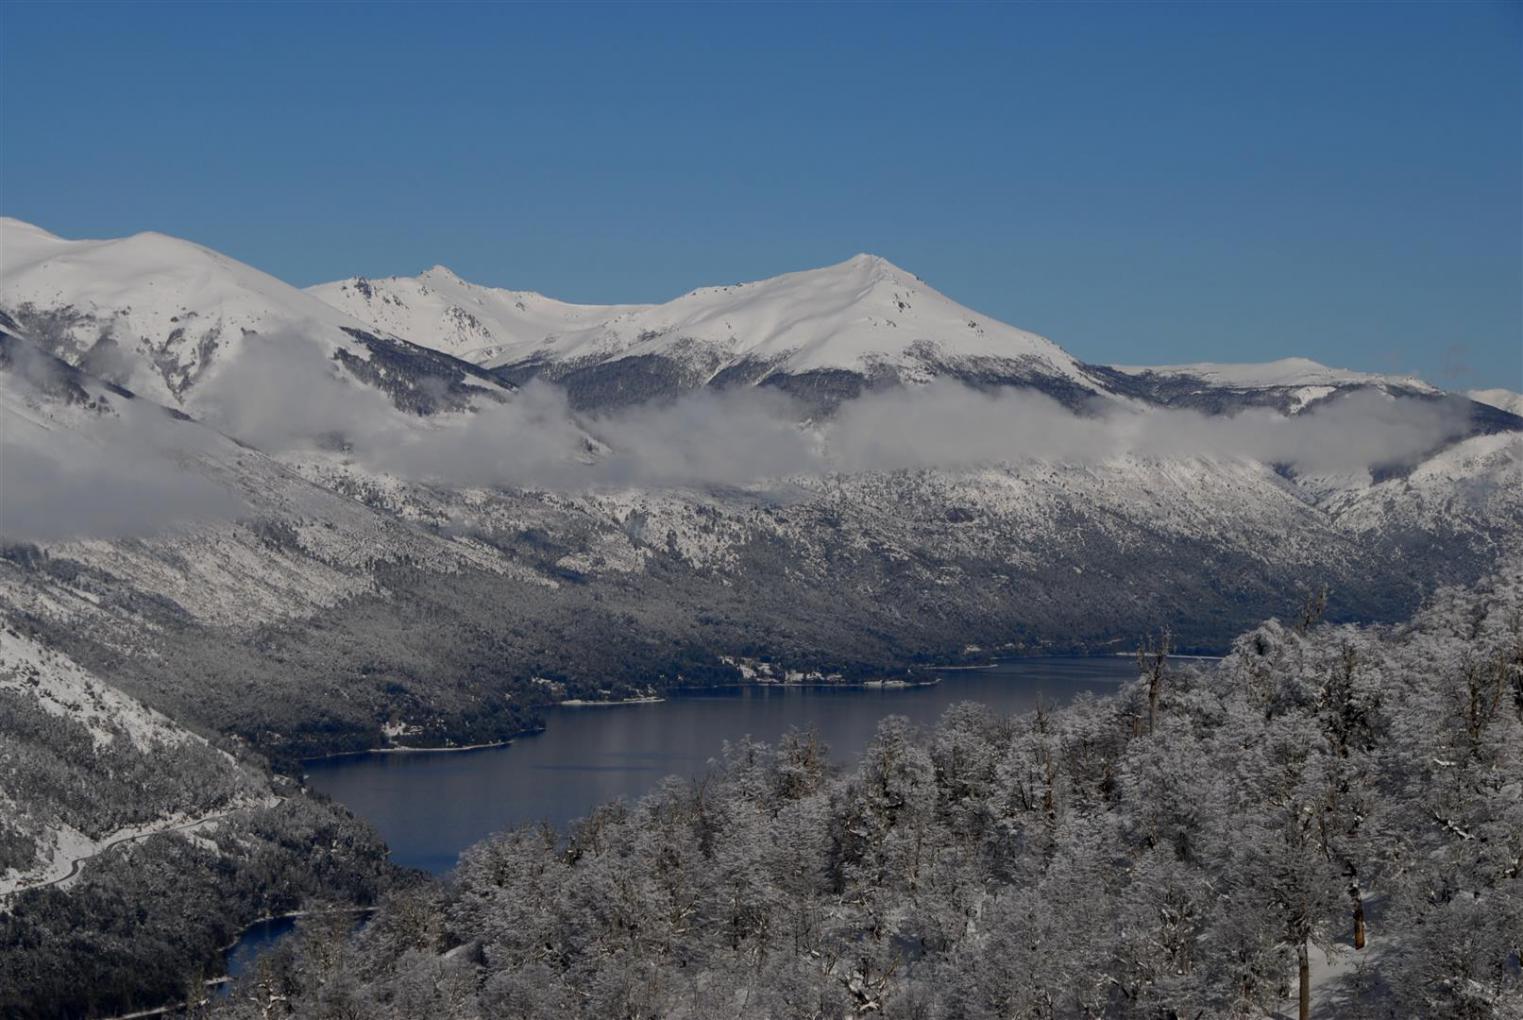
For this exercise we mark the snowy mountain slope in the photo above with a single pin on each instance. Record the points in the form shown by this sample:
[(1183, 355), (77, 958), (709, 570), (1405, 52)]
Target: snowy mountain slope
[(1289, 386), (253, 542), (877, 566), (1474, 487), (1287, 372), (1505, 400), (62, 688), (304, 595), (171, 320), (63, 723), (442, 311), (822, 335), (101, 559), (343, 598)]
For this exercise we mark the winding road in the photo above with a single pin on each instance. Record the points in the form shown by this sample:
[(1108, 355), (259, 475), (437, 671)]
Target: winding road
[(115, 840)]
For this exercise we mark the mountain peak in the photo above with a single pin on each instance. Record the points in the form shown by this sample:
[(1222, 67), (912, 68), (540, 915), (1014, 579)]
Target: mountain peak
[(874, 265), (864, 315)]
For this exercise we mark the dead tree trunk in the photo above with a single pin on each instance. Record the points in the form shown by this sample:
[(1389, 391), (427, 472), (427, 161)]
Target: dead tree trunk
[(1153, 660)]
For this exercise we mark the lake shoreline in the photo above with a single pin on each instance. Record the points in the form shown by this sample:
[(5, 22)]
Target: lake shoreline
[(429, 807), (404, 749), (889, 683), (225, 979)]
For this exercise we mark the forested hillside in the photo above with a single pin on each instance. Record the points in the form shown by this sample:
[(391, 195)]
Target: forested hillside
[(133, 850), (1329, 811)]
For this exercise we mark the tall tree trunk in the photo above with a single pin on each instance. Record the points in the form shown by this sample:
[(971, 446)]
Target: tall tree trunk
[(1358, 898), (1303, 965)]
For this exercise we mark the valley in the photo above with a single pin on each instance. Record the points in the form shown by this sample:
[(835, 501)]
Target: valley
[(247, 525)]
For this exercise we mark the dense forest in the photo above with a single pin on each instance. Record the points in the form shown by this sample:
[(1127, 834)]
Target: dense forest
[(1329, 814), (55, 768), (147, 921), (133, 850)]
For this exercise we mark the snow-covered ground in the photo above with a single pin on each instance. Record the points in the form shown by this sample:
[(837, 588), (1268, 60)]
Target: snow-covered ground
[(1506, 400), (167, 318), (69, 849), (62, 688), (480, 324), (861, 315), (1286, 372)]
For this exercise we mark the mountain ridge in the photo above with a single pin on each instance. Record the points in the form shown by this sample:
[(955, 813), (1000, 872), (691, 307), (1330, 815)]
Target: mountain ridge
[(712, 337), (810, 333), (343, 592), (170, 319), (163, 315)]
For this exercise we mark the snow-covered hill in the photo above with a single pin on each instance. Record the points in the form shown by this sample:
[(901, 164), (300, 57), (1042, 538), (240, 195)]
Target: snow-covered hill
[(65, 722), (1287, 372), (822, 335), (1505, 400), (173, 321), (483, 325), (1290, 386), (864, 315)]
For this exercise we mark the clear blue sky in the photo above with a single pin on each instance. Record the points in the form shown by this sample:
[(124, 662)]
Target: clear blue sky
[(1141, 183)]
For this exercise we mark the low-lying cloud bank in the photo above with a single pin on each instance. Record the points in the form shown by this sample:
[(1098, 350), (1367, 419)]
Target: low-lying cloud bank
[(285, 396), (104, 481), (129, 472), (98, 494), (949, 424)]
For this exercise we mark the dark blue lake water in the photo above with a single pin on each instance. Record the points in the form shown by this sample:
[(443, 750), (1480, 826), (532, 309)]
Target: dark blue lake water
[(429, 806), (256, 939)]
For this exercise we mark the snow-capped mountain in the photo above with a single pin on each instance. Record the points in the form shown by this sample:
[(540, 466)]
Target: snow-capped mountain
[(320, 593), (178, 322), (483, 325), (173, 320), (822, 335), (1505, 400), (1290, 384), (1286, 373)]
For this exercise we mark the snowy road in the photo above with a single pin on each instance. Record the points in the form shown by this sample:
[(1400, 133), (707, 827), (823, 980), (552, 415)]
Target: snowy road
[(72, 853)]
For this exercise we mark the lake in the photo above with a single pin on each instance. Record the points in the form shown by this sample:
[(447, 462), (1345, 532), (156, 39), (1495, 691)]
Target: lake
[(429, 806), (256, 938)]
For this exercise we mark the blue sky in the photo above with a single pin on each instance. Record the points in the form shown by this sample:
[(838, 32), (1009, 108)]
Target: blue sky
[(1141, 183)]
